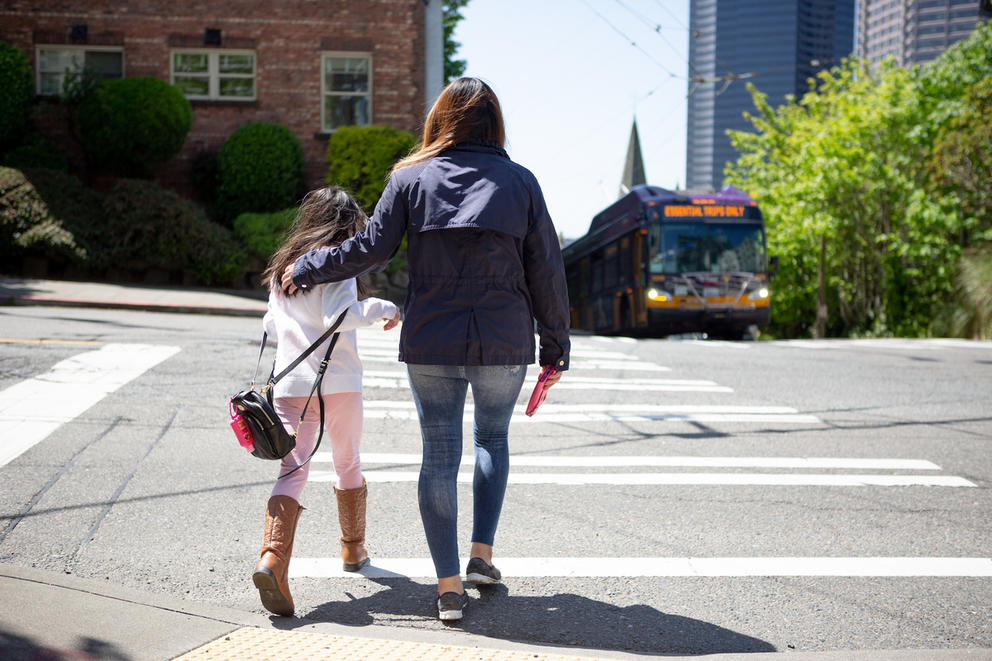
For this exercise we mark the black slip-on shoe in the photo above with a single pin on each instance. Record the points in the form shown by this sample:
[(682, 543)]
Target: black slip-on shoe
[(481, 572), (450, 606)]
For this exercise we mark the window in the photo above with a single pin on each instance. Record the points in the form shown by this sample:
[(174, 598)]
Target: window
[(56, 63), (215, 75), (346, 90)]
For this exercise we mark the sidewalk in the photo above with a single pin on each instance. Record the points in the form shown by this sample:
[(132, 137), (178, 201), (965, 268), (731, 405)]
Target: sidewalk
[(55, 616), (22, 291)]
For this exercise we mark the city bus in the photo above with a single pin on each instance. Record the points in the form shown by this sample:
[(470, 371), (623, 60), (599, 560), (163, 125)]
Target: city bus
[(658, 262)]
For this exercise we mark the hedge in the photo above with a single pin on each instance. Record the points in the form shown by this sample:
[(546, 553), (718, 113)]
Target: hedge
[(360, 157), (17, 83), (130, 125), (156, 228), (264, 233), (32, 223), (259, 168), (37, 153)]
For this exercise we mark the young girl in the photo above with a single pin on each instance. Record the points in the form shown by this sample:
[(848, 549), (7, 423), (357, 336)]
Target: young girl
[(326, 217)]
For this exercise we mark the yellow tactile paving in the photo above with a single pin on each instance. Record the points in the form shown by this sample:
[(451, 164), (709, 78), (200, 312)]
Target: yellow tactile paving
[(254, 643)]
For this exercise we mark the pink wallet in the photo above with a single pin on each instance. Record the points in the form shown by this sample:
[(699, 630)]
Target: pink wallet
[(540, 390)]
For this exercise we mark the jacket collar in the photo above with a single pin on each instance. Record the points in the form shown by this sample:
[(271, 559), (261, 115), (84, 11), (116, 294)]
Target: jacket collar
[(482, 146)]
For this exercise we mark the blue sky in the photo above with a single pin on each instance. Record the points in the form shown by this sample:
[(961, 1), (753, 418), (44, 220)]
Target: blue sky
[(570, 83)]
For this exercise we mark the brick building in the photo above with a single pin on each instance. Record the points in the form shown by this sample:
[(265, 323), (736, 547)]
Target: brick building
[(310, 65)]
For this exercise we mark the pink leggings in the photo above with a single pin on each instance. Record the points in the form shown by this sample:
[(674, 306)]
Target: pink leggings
[(342, 428)]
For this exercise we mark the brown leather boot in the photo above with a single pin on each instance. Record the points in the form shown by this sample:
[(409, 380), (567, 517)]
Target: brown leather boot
[(351, 516), (271, 575)]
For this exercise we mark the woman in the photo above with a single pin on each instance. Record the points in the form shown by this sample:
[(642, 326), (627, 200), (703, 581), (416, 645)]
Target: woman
[(484, 263)]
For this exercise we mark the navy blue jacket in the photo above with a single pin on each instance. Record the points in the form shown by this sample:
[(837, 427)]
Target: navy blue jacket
[(484, 260)]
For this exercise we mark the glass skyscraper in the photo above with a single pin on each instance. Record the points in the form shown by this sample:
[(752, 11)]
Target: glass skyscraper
[(779, 43), (914, 31)]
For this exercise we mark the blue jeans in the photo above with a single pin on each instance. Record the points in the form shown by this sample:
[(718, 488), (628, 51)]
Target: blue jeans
[(439, 393)]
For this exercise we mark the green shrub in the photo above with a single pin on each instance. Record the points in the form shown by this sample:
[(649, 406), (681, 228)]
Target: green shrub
[(38, 153), (221, 260), (259, 168), (263, 233), (131, 125), (969, 313), (79, 208), (17, 83), (155, 228), (360, 157), (32, 226)]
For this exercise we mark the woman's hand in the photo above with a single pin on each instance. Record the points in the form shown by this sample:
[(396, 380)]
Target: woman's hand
[(552, 379), (287, 281), (393, 322)]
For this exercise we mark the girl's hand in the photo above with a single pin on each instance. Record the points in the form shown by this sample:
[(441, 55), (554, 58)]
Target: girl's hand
[(552, 379), (393, 322), (287, 281)]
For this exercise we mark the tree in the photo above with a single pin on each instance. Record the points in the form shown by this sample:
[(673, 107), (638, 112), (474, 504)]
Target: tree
[(452, 15), (845, 165)]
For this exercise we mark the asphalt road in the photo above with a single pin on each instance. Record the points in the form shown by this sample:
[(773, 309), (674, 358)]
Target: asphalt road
[(670, 496)]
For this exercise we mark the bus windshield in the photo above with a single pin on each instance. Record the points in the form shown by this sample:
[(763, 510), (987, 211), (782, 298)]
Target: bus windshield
[(706, 248)]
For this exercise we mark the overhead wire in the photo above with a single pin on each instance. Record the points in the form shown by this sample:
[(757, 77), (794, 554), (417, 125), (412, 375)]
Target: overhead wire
[(631, 41), (670, 13), (656, 27)]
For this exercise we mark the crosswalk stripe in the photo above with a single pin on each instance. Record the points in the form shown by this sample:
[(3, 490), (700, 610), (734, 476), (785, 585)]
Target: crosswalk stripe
[(405, 410), (572, 378), (400, 381), (34, 408), (613, 461), (688, 478), (633, 365), (546, 417), (664, 567)]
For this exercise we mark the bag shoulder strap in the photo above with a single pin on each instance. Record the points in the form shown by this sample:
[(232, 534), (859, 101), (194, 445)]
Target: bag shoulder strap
[(309, 350), (320, 401), (299, 359)]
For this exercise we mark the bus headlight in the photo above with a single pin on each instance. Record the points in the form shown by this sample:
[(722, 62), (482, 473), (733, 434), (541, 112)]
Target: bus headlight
[(758, 294), (659, 295)]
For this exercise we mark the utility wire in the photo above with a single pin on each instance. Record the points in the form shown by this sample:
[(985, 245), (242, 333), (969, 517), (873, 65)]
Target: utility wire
[(631, 41), (677, 19), (657, 28)]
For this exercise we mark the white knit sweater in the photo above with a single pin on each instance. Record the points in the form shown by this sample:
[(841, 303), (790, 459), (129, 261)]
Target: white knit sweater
[(295, 322)]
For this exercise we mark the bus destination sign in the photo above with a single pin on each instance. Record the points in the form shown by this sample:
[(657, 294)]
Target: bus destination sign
[(704, 210)]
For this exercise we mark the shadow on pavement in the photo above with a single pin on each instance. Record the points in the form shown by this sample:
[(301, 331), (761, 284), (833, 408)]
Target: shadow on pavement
[(560, 619), (21, 648)]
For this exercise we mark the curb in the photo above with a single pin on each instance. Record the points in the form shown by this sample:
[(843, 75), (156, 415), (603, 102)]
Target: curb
[(38, 301)]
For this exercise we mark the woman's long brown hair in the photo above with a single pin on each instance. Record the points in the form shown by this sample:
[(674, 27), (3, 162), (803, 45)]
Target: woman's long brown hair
[(327, 216), (466, 110)]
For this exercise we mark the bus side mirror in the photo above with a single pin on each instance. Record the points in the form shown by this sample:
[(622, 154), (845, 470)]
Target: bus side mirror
[(773, 266)]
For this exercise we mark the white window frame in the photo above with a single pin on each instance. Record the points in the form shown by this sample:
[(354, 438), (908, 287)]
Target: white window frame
[(324, 92), (214, 75), (82, 48)]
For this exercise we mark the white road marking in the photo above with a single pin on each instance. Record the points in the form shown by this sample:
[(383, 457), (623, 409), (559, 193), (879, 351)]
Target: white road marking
[(405, 410), (663, 567), (613, 461), (887, 344), (395, 379), (33, 409), (671, 479), (634, 365), (718, 344)]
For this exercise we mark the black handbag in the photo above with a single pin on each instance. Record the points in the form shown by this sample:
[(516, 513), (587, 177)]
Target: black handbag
[(253, 415)]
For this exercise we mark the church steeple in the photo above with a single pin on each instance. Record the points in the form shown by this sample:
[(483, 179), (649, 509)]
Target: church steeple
[(633, 169)]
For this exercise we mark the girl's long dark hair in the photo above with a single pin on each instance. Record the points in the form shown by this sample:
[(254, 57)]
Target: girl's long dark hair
[(327, 216), (466, 110)]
